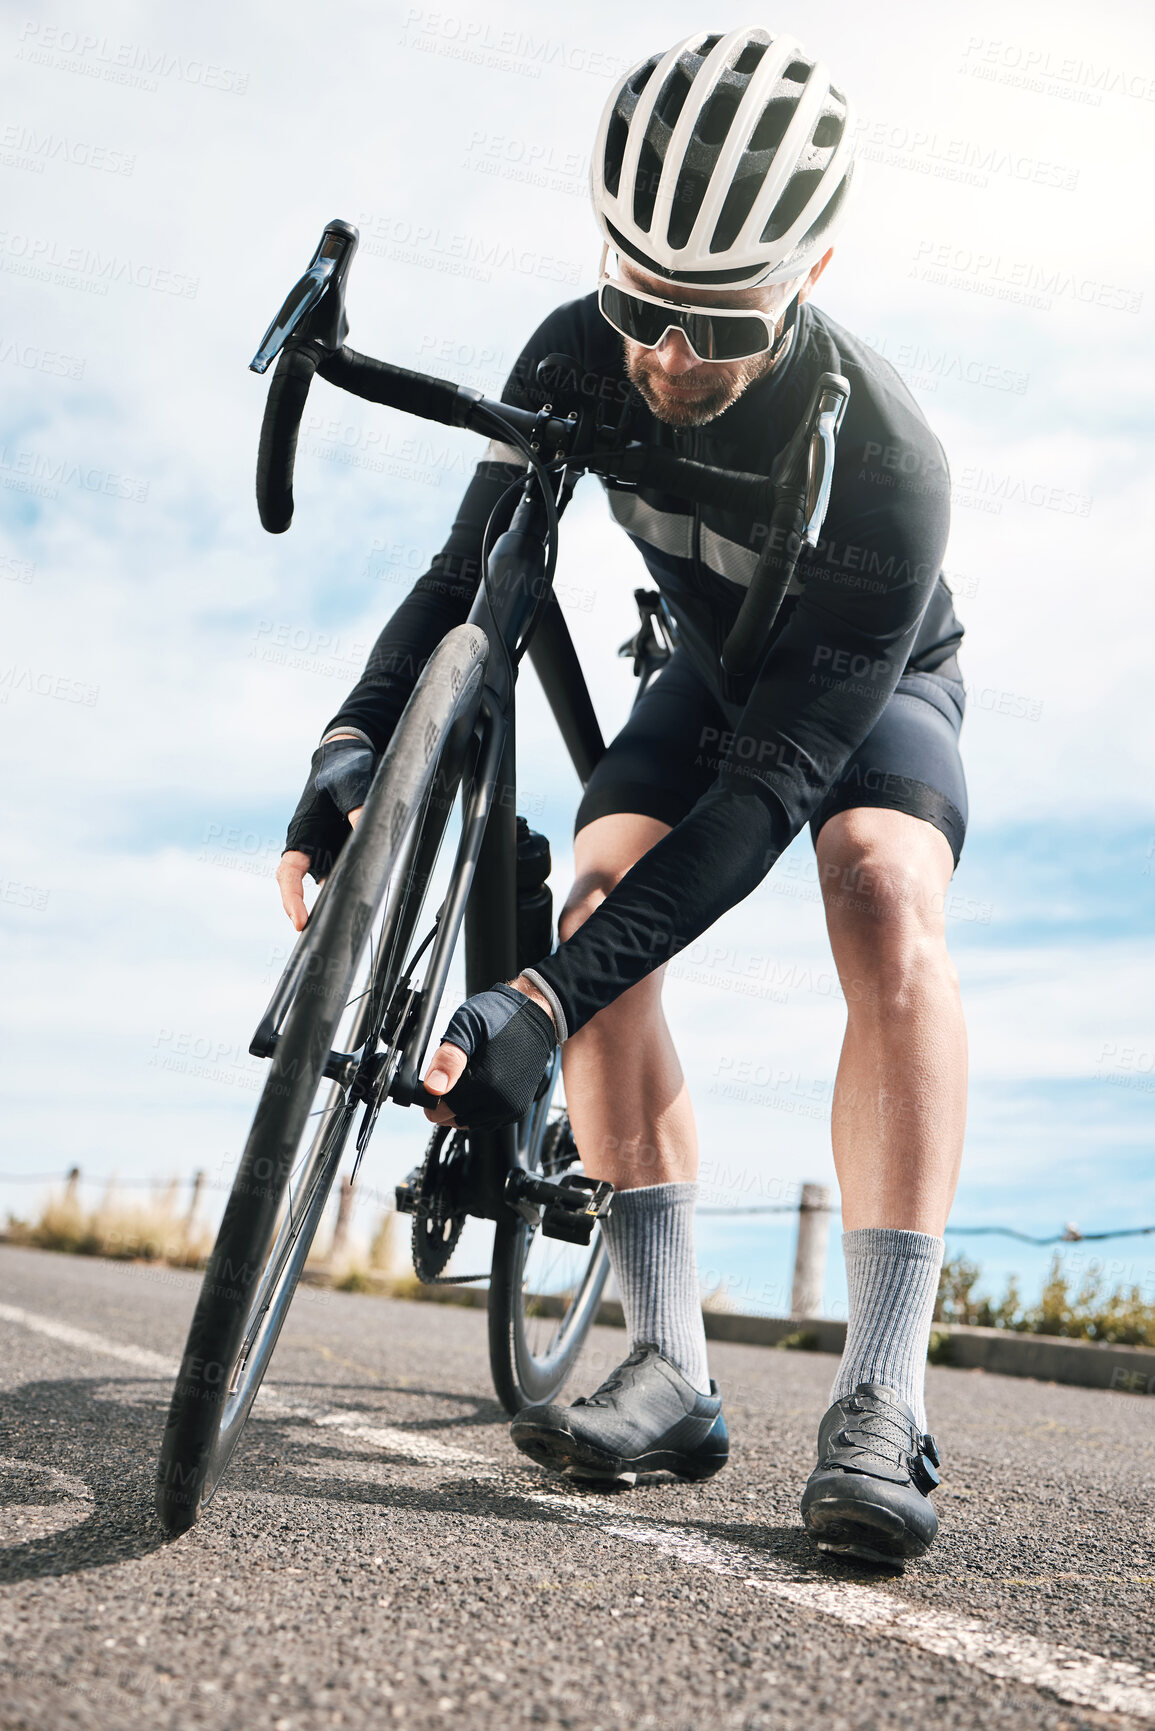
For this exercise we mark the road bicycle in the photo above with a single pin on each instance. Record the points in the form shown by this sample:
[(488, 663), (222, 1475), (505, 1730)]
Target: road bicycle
[(349, 1023)]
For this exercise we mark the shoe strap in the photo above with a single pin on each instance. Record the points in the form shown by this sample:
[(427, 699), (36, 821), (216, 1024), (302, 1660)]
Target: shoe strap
[(616, 1378), (876, 1432)]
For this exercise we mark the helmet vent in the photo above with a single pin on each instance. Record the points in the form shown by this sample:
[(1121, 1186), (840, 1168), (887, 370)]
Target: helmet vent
[(616, 135), (792, 203), (673, 97), (739, 203), (699, 278), (643, 75), (708, 46), (827, 217), (827, 132), (717, 117), (771, 129), (646, 185), (797, 72), (747, 61), (688, 195)]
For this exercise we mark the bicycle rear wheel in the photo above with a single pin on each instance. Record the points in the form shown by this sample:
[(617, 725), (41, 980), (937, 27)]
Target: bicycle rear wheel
[(543, 1292), (306, 1112)]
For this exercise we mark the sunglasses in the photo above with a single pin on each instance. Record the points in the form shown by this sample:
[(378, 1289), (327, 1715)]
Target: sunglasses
[(714, 334)]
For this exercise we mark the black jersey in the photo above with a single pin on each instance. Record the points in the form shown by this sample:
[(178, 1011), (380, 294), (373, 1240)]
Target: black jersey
[(866, 605)]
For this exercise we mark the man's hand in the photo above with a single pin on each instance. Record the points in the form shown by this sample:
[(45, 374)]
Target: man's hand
[(449, 1062), (291, 883), (446, 1067), (291, 880), (293, 862)]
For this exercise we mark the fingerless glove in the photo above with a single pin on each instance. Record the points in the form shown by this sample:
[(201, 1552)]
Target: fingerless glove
[(340, 775), (509, 1042)]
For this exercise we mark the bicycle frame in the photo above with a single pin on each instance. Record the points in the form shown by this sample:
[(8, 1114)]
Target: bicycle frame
[(485, 871), (482, 892)]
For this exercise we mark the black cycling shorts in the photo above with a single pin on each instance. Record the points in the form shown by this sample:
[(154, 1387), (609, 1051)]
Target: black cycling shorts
[(656, 766)]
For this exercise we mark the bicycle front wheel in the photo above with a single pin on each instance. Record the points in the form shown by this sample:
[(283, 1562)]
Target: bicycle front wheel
[(304, 1118)]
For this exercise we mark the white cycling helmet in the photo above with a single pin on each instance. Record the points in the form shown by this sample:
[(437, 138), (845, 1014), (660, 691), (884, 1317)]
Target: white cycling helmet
[(726, 160)]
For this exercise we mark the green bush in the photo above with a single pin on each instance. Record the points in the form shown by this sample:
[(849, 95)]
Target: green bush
[(1085, 1312), (939, 1348)]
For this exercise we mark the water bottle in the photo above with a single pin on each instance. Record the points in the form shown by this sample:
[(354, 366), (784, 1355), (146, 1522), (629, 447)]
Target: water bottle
[(534, 897)]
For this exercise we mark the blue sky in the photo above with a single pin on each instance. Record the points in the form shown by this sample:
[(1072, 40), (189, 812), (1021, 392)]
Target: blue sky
[(167, 667)]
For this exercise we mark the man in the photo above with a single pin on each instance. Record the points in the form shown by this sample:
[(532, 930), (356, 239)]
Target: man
[(720, 172)]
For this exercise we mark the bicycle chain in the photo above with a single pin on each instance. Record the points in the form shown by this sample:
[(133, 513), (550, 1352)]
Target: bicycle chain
[(436, 1227)]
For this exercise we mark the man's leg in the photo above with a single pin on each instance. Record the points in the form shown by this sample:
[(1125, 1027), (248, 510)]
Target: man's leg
[(900, 1096), (641, 1135), (631, 1115)]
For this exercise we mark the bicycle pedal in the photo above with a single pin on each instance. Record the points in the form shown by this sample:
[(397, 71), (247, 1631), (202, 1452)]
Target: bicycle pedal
[(568, 1209), (573, 1226), (405, 1193)]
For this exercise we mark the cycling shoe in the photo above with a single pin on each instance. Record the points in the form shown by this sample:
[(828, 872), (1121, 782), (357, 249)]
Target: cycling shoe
[(869, 1495), (645, 1417)]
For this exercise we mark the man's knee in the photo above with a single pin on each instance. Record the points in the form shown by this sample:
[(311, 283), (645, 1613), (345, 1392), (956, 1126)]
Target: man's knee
[(871, 887), (884, 883), (590, 889)]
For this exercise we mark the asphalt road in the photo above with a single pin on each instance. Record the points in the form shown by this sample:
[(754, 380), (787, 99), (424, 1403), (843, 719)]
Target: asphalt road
[(379, 1555)]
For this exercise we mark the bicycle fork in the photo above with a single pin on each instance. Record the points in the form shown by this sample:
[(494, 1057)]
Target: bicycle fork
[(484, 880)]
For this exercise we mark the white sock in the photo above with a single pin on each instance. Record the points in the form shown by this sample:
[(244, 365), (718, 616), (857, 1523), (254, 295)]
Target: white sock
[(650, 1239), (892, 1277)]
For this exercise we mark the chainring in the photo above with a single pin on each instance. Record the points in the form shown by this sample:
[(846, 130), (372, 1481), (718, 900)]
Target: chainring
[(437, 1225)]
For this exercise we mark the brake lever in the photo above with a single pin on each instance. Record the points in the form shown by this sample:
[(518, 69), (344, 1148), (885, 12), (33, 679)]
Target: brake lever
[(833, 394), (801, 480), (326, 275)]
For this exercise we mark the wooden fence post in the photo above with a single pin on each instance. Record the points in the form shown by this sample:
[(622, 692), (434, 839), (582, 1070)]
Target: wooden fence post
[(810, 1252), (341, 1229)]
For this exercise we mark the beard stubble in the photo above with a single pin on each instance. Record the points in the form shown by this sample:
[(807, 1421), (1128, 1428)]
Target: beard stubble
[(718, 394)]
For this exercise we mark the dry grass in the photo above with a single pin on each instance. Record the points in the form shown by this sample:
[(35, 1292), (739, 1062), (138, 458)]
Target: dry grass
[(388, 1272), (155, 1231)]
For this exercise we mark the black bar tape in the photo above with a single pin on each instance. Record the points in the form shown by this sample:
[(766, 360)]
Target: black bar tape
[(726, 489), (277, 452), (412, 393)]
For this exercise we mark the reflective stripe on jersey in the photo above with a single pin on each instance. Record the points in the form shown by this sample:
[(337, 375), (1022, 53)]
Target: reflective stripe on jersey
[(672, 533)]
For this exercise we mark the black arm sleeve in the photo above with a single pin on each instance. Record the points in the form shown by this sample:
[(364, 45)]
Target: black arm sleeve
[(438, 601), (821, 689)]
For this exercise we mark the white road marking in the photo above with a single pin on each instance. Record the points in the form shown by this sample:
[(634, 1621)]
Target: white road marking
[(139, 1356), (1085, 1679), (414, 1445), (423, 1450), (49, 1479)]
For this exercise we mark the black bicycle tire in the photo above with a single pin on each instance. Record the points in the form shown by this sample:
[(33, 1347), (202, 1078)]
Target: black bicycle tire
[(520, 1378), (191, 1466)]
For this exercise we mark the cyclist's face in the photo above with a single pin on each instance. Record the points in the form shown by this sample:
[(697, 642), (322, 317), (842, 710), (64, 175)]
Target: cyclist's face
[(679, 388)]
